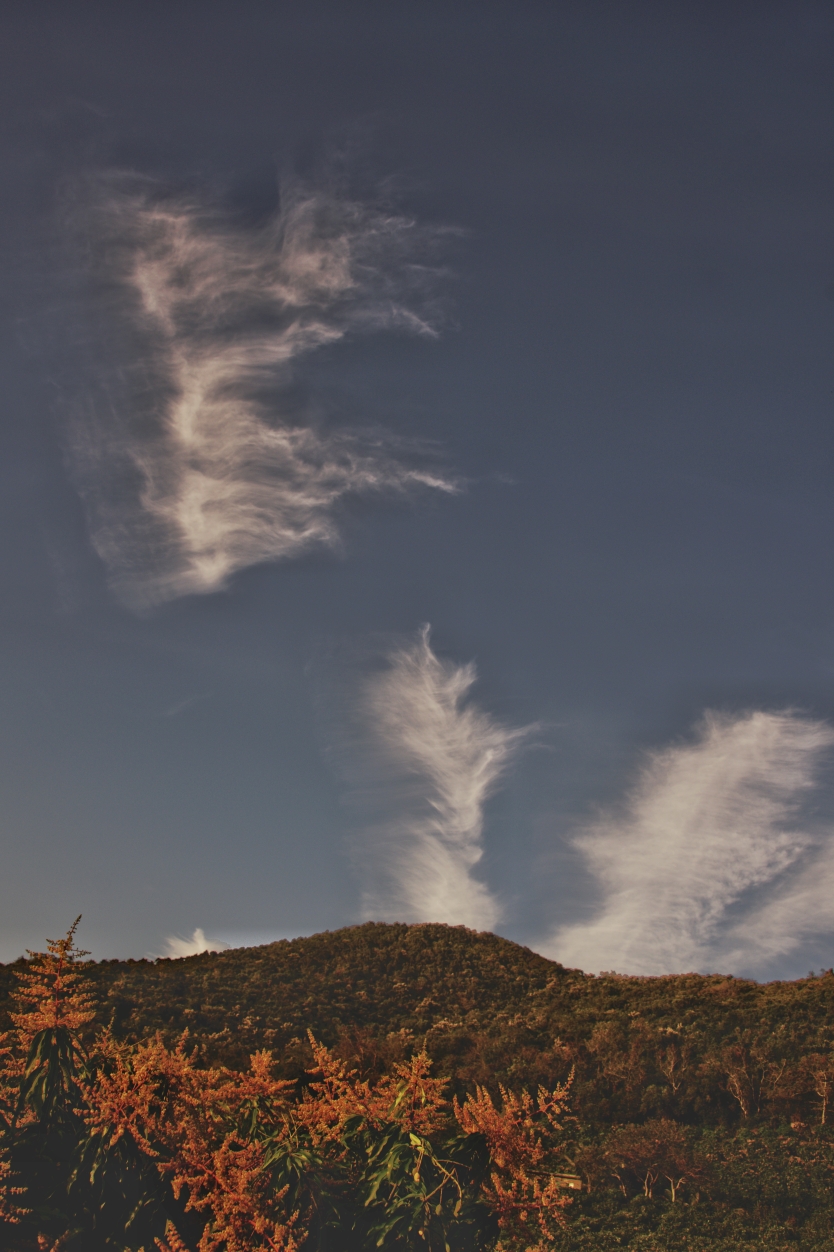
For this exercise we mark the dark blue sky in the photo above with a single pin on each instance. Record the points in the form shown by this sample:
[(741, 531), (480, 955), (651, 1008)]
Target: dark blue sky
[(632, 379)]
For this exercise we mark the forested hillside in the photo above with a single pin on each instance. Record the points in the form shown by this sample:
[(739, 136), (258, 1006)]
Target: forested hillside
[(708, 1049), (700, 1104)]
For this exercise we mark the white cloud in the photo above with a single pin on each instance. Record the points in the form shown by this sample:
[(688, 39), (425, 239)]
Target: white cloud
[(193, 464), (176, 945), (799, 910), (431, 760), (708, 862)]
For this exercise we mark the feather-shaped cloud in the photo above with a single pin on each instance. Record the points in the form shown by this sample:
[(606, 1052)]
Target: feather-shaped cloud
[(193, 465), (431, 759), (709, 862)]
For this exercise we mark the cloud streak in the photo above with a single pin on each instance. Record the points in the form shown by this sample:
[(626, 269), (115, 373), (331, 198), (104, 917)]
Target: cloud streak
[(709, 862), (193, 464), (430, 760), (177, 946), (798, 911)]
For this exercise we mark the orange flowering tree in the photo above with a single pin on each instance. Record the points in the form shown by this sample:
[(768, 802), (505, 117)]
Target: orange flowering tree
[(62, 1187), (523, 1136)]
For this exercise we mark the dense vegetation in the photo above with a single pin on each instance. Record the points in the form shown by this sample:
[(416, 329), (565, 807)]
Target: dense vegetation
[(698, 1110)]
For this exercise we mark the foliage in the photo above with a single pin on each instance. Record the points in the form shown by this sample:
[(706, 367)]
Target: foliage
[(62, 1187), (522, 1137)]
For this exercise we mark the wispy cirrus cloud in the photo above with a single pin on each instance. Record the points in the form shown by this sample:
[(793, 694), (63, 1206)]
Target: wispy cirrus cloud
[(194, 464), (428, 760), (800, 910), (178, 945), (710, 861)]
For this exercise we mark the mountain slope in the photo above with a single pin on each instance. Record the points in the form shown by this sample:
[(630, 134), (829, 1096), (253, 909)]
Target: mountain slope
[(487, 1009)]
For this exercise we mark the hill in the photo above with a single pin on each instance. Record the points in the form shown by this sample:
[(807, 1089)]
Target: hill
[(488, 1011)]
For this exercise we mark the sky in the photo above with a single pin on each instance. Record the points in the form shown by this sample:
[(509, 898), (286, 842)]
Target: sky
[(415, 476)]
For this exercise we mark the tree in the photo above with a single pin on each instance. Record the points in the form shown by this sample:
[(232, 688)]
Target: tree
[(525, 1138), (67, 1182), (639, 1156)]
